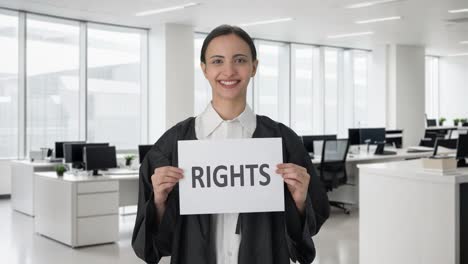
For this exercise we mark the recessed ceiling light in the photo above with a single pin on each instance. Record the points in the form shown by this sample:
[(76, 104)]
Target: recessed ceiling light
[(457, 55), (351, 35), (458, 10), (267, 22), (163, 10), (378, 20), (371, 3)]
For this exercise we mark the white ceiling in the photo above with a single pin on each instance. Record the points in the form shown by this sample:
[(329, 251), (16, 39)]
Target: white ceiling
[(424, 21)]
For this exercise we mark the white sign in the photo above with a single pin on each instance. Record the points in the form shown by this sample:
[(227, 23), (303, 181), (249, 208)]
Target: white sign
[(230, 176)]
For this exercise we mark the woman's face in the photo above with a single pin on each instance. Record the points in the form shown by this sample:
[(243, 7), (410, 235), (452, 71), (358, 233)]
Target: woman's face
[(229, 67)]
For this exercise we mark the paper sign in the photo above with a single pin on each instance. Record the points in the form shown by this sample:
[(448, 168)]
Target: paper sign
[(230, 176)]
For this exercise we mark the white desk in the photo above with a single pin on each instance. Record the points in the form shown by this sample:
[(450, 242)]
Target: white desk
[(411, 216), (350, 193), (22, 183), (82, 210)]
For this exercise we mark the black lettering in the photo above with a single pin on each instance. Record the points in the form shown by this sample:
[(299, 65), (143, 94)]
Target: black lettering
[(197, 176), (264, 174), (208, 178), (235, 175), (252, 167), (222, 176)]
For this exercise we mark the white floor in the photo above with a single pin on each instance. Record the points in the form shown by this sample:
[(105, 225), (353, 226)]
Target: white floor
[(337, 242)]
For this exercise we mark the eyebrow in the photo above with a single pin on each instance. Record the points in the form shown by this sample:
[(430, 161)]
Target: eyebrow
[(236, 55)]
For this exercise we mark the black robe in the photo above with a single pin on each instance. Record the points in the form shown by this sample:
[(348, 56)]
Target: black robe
[(268, 237)]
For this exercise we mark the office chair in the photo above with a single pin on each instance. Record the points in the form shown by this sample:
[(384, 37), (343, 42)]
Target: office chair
[(465, 124), (431, 122), (430, 139), (446, 143), (332, 167)]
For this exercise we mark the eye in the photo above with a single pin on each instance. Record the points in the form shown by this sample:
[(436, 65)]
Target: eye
[(240, 60), (216, 61)]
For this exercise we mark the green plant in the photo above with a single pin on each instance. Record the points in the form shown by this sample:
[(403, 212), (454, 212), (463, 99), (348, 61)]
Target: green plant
[(463, 120), (456, 121), (128, 159), (60, 169), (441, 121)]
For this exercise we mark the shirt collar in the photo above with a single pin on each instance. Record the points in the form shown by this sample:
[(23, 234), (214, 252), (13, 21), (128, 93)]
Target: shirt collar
[(211, 120)]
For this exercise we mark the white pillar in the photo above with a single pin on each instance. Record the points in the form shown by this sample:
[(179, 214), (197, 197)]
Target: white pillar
[(171, 77)]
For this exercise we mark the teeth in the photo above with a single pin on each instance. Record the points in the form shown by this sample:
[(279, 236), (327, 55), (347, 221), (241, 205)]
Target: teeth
[(228, 82)]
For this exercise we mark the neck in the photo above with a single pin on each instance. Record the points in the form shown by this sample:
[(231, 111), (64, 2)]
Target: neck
[(228, 109)]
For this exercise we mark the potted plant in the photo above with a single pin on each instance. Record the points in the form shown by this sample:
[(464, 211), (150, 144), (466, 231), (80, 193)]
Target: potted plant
[(441, 121), (463, 121), (456, 121), (60, 169), (128, 160)]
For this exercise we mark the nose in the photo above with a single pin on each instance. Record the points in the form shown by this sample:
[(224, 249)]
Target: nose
[(229, 69)]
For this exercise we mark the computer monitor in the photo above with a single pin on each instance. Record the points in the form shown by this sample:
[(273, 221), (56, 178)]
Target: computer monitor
[(372, 135), (142, 150), (431, 122), (462, 150), (99, 158), (73, 152), (59, 147), (446, 143), (354, 136), (308, 141)]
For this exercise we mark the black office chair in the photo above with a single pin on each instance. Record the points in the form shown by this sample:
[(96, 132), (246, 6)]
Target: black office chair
[(446, 143), (431, 122), (465, 124), (430, 139), (332, 168)]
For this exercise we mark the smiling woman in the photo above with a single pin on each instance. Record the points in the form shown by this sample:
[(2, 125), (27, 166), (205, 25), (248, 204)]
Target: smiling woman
[(228, 61)]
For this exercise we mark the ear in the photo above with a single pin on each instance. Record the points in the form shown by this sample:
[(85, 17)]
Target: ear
[(203, 67), (254, 70)]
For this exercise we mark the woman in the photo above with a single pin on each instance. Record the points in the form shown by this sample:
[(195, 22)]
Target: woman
[(228, 60)]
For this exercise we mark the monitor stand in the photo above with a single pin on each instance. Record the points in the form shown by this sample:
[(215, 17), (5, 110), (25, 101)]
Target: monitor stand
[(96, 173), (461, 163)]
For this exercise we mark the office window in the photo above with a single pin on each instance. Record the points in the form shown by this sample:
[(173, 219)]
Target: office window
[(331, 64), (271, 85), (306, 99), (52, 90), (8, 85), (114, 95), (202, 86), (360, 80), (432, 87)]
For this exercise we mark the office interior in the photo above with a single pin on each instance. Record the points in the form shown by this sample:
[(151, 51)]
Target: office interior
[(379, 83)]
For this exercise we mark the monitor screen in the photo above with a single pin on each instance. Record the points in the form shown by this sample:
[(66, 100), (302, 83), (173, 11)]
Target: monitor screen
[(462, 146), (59, 147), (372, 135), (99, 157), (142, 150), (354, 136), (73, 152), (308, 141)]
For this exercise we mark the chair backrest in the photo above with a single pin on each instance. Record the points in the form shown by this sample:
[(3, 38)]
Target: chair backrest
[(446, 143), (333, 165), (431, 122)]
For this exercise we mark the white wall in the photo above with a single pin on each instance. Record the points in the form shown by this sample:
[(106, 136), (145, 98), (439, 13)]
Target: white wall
[(453, 89), (171, 77), (376, 91), (406, 103), (5, 177)]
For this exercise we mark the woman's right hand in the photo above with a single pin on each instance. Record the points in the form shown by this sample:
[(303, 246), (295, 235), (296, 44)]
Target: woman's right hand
[(163, 180)]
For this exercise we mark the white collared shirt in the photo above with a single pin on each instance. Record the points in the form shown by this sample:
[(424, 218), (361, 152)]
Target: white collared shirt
[(209, 125)]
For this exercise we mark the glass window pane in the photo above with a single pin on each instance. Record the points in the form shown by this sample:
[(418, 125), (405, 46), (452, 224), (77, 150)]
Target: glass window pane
[(432, 87), (114, 86), (8, 86), (271, 96), (360, 69), (52, 81)]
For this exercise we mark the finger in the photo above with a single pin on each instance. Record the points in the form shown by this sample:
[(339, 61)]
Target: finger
[(166, 187), (293, 176), (171, 174), (292, 183), (290, 165), (167, 180), (288, 170), (168, 168)]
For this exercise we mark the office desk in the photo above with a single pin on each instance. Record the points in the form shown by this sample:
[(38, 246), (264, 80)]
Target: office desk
[(350, 193), (81, 210), (411, 216), (22, 183)]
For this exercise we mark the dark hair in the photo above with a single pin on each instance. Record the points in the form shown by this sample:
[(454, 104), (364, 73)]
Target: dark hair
[(227, 30)]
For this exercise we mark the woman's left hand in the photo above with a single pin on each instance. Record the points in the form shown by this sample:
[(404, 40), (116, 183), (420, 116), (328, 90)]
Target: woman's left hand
[(297, 179)]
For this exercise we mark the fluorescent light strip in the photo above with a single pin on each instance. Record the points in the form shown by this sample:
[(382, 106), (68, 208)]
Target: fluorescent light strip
[(458, 55), (163, 10), (458, 11), (378, 20), (464, 42), (351, 35), (371, 3), (267, 22)]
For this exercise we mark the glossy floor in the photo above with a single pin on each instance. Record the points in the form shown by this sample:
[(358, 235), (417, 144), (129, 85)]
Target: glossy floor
[(336, 243)]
